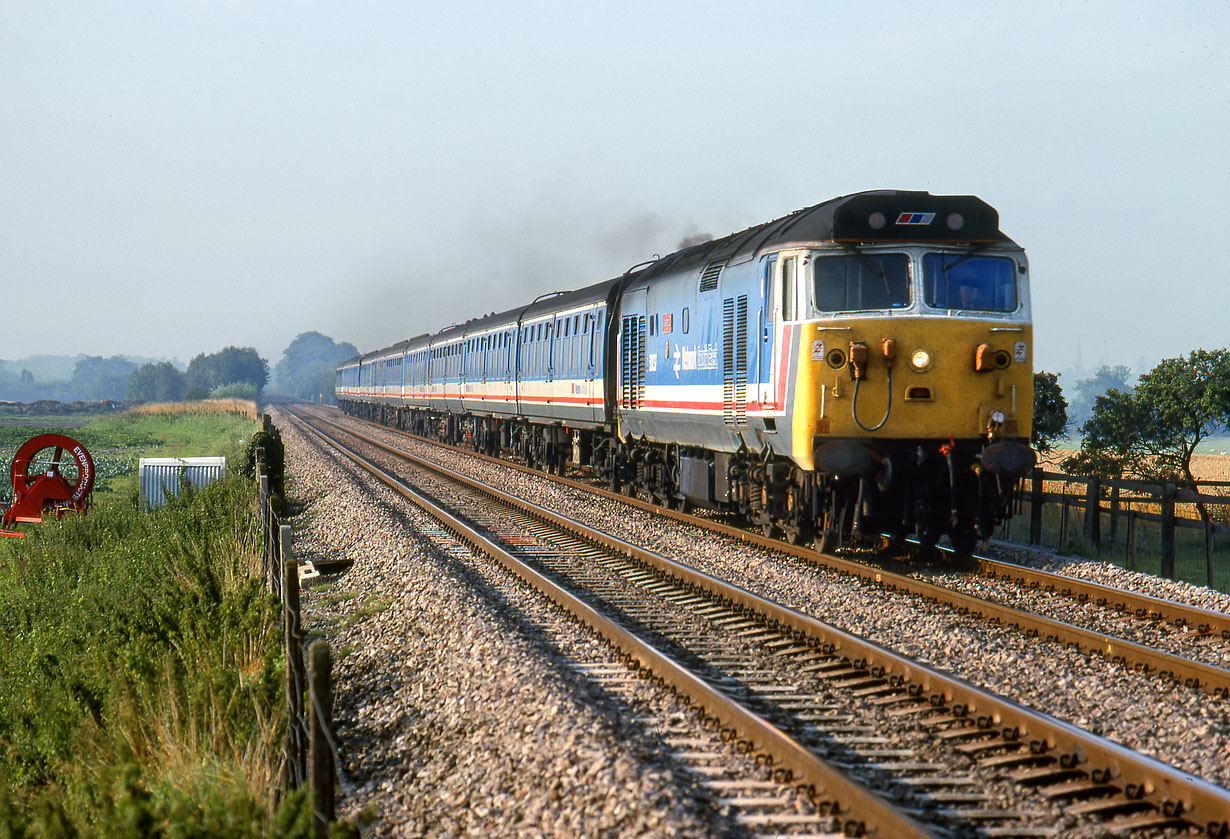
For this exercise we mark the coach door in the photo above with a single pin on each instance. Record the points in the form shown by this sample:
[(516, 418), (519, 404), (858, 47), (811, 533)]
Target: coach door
[(591, 361)]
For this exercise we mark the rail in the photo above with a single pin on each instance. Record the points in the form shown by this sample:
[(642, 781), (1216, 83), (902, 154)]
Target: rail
[(1034, 744), (789, 760)]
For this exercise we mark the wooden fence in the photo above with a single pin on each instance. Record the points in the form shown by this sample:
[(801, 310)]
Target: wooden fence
[(310, 752), (1110, 512)]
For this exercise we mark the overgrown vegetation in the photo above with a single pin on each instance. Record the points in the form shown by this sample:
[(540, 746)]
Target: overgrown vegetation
[(140, 659)]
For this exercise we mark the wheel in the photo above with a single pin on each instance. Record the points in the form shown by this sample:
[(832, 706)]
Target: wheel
[(49, 471)]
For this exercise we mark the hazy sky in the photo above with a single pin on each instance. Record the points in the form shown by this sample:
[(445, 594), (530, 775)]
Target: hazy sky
[(183, 175)]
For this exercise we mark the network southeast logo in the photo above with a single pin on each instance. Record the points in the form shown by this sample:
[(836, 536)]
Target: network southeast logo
[(915, 218)]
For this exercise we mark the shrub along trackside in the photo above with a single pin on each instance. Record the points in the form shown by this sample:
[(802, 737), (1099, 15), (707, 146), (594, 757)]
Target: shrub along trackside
[(141, 673)]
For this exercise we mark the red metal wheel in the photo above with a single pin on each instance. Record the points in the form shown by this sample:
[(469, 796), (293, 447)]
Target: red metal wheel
[(49, 472)]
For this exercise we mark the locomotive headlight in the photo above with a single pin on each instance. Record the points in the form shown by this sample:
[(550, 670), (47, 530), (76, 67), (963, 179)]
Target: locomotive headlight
[(955, 221), (920, 360), (876, 220)]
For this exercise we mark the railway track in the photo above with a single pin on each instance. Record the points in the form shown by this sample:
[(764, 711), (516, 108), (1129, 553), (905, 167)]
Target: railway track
[(1142, 624), (795, 690)]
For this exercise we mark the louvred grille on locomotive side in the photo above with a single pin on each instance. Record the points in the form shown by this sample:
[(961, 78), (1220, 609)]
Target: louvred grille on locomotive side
[(632, 391), (734, 360)]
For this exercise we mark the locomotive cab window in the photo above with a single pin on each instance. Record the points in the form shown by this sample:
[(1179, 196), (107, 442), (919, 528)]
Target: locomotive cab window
[(970, 283), (856, 282)]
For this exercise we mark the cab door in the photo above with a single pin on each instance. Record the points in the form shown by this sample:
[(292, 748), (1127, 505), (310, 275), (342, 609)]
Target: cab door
[(766, 323), (591, 361), (780, 276)]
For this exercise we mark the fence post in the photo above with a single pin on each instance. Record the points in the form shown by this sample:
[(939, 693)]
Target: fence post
[(1093, 513), (1131, 539), (266, 533), (1035, 507), (1168, 492), (293, 641), (1114, 513), (320, 763), (1208, 551), (1063, 523)]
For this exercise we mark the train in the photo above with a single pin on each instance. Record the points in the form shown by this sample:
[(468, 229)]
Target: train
[(856, 373)]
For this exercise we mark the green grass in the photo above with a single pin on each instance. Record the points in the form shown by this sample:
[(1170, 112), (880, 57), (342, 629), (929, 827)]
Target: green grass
[(117, 442), (141, 667)]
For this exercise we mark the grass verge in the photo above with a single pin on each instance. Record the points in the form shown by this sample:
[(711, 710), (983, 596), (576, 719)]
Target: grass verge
[(141, 667)]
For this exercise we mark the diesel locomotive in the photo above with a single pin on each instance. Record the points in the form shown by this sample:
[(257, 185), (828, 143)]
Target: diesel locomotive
[(856, 370)]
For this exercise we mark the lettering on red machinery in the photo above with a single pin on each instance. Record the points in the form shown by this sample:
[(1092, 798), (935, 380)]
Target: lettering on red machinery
[(83, 476)]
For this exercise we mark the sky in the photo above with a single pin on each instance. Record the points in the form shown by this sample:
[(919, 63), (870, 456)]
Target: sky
[(185, 175)]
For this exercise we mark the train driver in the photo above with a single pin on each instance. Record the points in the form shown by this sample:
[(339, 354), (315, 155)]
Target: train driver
[(969, 296)]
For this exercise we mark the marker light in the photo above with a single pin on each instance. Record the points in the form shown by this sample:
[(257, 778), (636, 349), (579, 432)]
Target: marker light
[(920, 360), (955, 221), (876, 220)]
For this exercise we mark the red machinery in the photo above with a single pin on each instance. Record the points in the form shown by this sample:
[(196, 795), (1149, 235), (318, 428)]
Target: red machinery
[(39, 485)]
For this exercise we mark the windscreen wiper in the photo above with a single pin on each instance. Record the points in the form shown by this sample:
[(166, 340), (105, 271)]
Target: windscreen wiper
[(962, 258), (874, 267)]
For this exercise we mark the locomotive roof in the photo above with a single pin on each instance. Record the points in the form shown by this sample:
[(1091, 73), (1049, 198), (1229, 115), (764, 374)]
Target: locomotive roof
[(872, 217)]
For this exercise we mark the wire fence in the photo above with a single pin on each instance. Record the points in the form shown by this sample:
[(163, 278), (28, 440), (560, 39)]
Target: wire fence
[(310, 753)]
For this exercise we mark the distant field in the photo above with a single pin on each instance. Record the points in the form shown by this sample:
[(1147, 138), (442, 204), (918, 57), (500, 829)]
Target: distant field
[(52, 414), (1207, 467), (1211, 467), (45, 421)]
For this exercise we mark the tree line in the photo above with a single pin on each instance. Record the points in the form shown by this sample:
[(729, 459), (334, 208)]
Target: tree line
[(306, 370)]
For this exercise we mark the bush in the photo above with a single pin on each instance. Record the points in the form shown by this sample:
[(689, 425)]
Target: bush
[(275, 462), (235, 390)]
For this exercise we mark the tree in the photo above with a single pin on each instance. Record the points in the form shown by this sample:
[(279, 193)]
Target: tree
[(1050, 412), (235, 390), (309, 364), (1153, 431), (232, 365), (160, 382), (1112, 438), (96, 378), (1188, 400), (1086, 391)]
